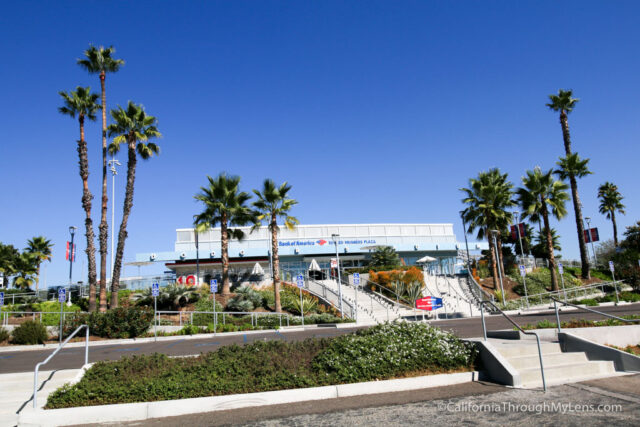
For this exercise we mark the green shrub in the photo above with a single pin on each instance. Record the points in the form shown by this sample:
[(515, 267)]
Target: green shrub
[(238, 303), (205, 304), (121, 322), (590, 302), (53, 319), (4, 335), (249, 294), (388, 350), (190, 330), (29, 332)]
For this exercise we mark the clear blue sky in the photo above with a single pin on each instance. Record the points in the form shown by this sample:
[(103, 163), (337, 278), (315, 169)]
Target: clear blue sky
[(373, 111)]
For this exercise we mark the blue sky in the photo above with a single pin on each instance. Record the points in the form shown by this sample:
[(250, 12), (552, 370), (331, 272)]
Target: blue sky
[(374, 111)]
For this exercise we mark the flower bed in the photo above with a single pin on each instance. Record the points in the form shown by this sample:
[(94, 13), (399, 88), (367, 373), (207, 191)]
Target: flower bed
[(382, 352)]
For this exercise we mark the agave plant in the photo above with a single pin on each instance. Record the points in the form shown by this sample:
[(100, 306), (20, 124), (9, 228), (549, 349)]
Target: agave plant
[(414, 291), (308, 305)]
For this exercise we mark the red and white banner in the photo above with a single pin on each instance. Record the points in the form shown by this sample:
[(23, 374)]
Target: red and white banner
[(70, 252)]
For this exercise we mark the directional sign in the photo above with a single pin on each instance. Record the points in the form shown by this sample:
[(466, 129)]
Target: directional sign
[(213, 285), (523, 271), (611, 266), (560, 268), (1, 299), (429, 303), (356, 278), (155, 290), (300, 280), (62, 295)]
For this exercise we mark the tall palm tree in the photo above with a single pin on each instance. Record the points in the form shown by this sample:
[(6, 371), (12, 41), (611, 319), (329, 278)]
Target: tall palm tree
[(564, 103), (488, 200), (40, 247), (610, 202), (272, 204), (82, 103), (541, 194), (134, 128), (226, 205), (101, 61)]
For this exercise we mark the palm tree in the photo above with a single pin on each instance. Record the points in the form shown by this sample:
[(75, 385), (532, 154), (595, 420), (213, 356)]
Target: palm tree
[(134, 128), (540, 194), (101, 61), (272, 204), (40, 247), (82, 103), (385, 256), (540, 248), (610, 202), (564, 103), (226, 205), (26, 269), (488, 197)]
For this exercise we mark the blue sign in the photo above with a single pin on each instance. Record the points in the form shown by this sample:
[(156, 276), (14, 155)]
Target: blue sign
[(213, 285), (62, 295), (611, 266), (560, 268), (429, 303), (155, 290), (523, 271), (1, 299), (300, 279), (356, 278)]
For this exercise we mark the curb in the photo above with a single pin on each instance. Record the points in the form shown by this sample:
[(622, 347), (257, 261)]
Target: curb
[(147, 410), (124, 341)]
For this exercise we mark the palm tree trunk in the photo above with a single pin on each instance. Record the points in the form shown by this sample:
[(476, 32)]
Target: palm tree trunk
[(126, 211), (276, 263), (615, 228), (104, 228), (577, 206), (224, 257), (552, 258), (88, 222), (494, 264), (500, 256), (584, 258)]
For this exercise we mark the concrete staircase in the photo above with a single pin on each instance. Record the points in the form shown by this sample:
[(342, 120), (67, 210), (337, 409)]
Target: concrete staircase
[(16, 391), (559, 367), (454, 293)]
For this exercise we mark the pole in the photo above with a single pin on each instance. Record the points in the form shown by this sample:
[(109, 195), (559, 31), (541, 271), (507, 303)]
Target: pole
[(72, 255), (495, 246), (155, 318), (335, 241), (270, 265), (301, 307), (60, 330), (195, 231), (466, 243), (519, 235)]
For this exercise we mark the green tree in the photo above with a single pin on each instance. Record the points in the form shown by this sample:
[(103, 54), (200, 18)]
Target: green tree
[(82, 103), (384, 256), (610, 203), (100, 61), (540, 249), (26, 270), (273, 203), (541, 194), (564, 103), (226, 205), (134, 128), (632, 237), (40, 247), (8, 263), (488, 200)]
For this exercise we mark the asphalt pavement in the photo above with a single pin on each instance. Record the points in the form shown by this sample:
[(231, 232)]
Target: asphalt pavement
[(70, 358)]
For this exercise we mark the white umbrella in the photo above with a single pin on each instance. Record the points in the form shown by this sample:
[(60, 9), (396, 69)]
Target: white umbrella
[(314, 266), (257, 269), (426, 259)]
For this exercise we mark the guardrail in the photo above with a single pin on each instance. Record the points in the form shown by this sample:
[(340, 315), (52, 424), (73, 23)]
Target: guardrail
[(183, 316), (484, 334), (35, 372), (611, 316), (33, 315), (567, 293)]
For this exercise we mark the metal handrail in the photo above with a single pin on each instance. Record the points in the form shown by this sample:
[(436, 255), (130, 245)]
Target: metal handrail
[(336, 294), (555, 306), (35, 373), (543, 295), (400, 301), (484, 332)]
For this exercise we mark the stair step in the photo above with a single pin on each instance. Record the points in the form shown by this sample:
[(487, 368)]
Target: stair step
[(532, 377), (524, 348), (548, 359)]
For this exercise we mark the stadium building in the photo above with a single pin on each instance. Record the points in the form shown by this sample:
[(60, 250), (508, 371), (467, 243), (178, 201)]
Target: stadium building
[(250, 258)]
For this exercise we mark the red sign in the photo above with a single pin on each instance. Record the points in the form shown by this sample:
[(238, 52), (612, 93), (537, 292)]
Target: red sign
[(429, 303)]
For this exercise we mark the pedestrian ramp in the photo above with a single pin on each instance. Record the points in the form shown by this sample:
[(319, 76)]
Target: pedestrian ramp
[(16, 391)]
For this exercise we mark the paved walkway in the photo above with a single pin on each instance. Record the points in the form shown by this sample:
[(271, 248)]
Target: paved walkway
[(606, 402)]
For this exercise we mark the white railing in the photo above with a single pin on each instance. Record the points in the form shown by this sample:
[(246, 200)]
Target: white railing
[(566, 294)]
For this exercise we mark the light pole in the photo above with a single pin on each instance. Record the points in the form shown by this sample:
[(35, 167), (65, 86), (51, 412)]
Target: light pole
[(495, 246), (466, 244), (112, 167), (72, 231), (334, 237), (517, 215), (595, 260)]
